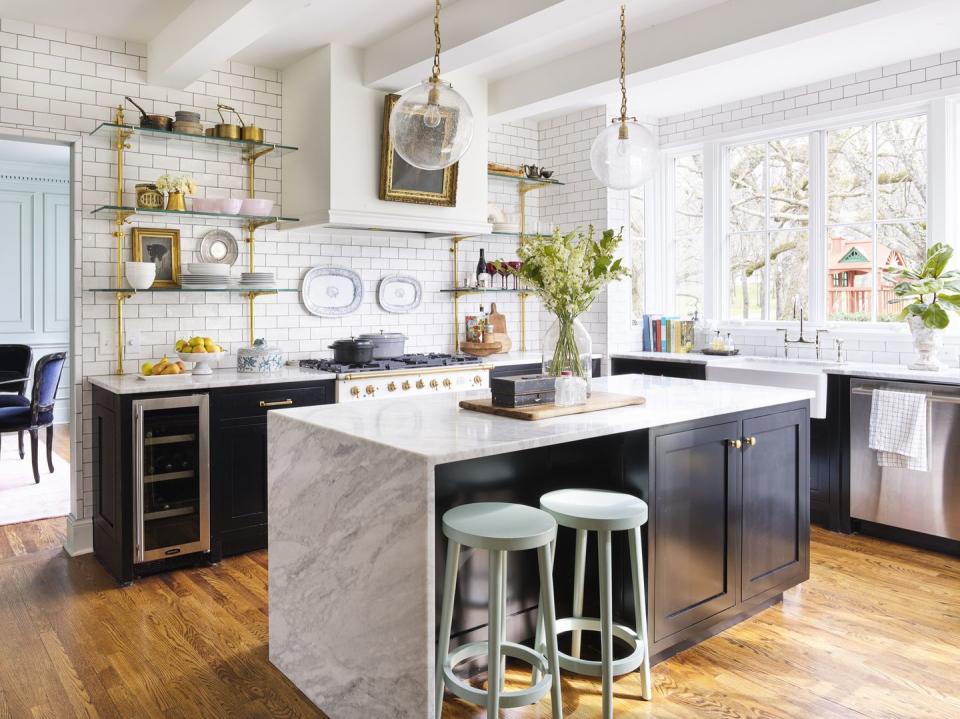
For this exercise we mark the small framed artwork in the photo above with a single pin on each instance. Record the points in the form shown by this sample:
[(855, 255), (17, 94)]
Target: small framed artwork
[(402, 182), (161, 247)]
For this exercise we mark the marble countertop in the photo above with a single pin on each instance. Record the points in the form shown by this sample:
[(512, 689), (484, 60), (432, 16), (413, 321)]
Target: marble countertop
[(438, 429), (131, 384), (510, 358), (948, 375)]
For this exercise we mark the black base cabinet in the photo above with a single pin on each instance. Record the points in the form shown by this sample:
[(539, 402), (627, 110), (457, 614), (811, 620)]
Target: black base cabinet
[(728, 530), (238, 471)]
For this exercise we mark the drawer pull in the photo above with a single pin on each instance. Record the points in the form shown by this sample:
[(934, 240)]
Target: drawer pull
[(278, 403)]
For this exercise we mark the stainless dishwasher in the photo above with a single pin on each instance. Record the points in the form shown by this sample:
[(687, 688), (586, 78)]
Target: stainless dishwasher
[(926, 502)]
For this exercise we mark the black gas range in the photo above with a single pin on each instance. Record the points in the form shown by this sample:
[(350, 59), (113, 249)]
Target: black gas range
[(403, 362)]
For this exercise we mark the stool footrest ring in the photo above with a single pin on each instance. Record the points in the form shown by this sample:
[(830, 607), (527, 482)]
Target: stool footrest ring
[(586, 667), (508, 700)]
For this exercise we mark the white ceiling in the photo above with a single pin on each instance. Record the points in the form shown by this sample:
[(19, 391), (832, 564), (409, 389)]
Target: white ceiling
[(137, 20)]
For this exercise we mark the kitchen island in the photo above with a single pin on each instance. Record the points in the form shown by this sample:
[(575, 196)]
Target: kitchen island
[(356, 491)]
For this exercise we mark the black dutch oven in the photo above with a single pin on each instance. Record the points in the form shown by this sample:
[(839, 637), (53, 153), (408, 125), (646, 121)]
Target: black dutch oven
[(352, 351)]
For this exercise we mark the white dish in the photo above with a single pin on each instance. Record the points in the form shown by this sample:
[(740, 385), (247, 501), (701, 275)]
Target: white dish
[(508, 227), (256, 206), (201, 360), (154, 377), (331, 291), (399, 293), (208, 269)]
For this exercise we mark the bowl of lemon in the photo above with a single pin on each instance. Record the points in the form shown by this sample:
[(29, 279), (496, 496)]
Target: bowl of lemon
[(201, 351), (163, 369)]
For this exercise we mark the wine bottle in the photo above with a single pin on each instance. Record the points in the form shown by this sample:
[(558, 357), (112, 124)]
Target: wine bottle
[(481, 266), (481, 323)]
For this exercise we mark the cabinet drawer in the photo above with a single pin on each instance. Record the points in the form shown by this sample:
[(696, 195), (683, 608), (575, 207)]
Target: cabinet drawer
[(256, 403)]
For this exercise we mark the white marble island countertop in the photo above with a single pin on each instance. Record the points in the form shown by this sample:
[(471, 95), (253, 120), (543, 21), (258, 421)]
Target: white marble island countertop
[(352, 525), (438, 429)]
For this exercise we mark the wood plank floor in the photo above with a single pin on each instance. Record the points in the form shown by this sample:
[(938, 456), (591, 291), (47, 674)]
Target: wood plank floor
[(874, 633)]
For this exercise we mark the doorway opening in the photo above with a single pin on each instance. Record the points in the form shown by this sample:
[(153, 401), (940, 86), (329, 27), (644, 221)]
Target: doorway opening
[(35, 342)]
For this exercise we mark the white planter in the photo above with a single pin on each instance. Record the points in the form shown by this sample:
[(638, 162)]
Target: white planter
[(927, 342)]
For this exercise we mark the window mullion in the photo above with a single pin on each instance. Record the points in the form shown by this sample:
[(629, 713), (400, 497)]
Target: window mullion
[(765, 303), (874, 283), (816, 227)]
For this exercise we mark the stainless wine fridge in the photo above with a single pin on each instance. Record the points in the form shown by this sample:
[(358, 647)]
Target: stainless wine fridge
[(171, 461)]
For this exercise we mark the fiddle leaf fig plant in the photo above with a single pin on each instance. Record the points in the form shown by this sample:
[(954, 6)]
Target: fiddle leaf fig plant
[(929, 288)]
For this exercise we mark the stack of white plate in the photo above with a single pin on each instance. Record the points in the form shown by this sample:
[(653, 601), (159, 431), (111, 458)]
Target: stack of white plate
[(206, 274), (258, 279)]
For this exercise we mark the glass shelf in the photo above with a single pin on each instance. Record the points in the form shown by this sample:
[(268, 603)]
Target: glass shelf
[(108, 128), (523, 179), (234, 289), (260, 219)]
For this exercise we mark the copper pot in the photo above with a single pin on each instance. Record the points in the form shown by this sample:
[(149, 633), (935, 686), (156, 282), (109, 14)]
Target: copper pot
[(151, 122)]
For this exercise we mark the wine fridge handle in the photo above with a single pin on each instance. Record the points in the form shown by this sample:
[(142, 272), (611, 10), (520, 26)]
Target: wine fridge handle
[(138, 549)]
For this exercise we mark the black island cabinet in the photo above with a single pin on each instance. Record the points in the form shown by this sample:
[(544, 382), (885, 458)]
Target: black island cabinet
[(235, 450)]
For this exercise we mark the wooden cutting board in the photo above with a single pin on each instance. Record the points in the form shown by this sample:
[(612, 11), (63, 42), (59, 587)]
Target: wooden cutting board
[(596, 402), (499, 323)]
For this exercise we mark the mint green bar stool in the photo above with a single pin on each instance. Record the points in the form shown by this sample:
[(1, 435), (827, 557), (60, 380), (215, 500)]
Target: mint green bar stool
[(603, 512), (499, 528)]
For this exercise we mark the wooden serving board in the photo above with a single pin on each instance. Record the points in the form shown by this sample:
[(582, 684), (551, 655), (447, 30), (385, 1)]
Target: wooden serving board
[(596, 402)]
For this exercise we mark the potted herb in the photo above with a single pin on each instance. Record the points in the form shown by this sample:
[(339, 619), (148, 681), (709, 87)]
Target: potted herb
[(567, 272), (930, 291)]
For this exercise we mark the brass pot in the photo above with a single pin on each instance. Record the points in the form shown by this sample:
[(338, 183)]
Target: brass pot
[(227, 131), (252, 133)]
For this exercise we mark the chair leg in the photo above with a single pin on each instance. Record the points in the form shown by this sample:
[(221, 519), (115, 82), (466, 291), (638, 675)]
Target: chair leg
[(495, 610), (538, 643), (50, 448), (446, 618), (640, 608), (545, 557), (20, 442), (34, 451), (579, 569), (606, 621), (503, 626)]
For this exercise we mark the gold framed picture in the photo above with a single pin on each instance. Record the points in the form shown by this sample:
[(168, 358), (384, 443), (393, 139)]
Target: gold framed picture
[(402, 182), (161, 247)]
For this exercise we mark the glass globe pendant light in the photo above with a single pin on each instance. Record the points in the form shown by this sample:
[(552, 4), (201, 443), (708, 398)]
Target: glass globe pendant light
[(625, 154), (431, 125)]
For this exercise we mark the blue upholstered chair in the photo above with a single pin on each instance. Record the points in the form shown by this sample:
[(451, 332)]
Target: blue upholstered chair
[(15, 361), (39, 412)]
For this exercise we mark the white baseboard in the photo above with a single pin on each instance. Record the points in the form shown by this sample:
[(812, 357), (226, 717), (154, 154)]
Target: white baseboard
[(79, 536)]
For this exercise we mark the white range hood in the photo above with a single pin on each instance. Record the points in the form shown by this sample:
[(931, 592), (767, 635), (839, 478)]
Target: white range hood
[(333, 180)]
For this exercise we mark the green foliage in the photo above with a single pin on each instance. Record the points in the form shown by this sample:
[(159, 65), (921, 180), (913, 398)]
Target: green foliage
[(569, 271), (928, 287)]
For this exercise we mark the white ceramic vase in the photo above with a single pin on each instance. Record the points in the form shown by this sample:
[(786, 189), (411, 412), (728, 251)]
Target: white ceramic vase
[(140, 275), (927, 343)]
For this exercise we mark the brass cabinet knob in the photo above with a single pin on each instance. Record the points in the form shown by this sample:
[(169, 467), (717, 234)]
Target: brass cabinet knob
[(477, 379), (406, 385), (434, 384), (447, 383), (420, 384), (751, 441), (392, 387), (371, 389), (355, 391), (735, 443)]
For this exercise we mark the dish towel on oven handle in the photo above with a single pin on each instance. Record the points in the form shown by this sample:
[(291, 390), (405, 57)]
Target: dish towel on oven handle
[(898, 429)]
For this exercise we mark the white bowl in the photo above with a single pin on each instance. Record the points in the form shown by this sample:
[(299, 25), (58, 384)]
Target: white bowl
[(206, 204), (229, 206), (256, 206), (201, 360), (140, 275)]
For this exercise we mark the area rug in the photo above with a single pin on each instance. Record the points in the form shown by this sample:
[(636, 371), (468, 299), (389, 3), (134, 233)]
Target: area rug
[(20, 499)]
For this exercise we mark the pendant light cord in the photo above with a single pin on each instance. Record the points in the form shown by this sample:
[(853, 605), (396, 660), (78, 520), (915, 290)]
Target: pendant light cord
[(436, 40), (623, 61)]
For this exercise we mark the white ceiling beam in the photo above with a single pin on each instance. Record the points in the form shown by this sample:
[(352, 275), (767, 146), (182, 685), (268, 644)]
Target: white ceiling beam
[(472, 33), (716, 34), (210, 32)]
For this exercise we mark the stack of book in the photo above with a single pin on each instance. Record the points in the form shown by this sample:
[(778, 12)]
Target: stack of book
[(667, 334)]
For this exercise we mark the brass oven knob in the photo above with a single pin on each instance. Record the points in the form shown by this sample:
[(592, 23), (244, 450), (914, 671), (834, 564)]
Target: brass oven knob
[(420, 384), (392, 387), (355, 391), (477, 379), (406, 385), (371, 389), (434, 384), (447, 383)]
